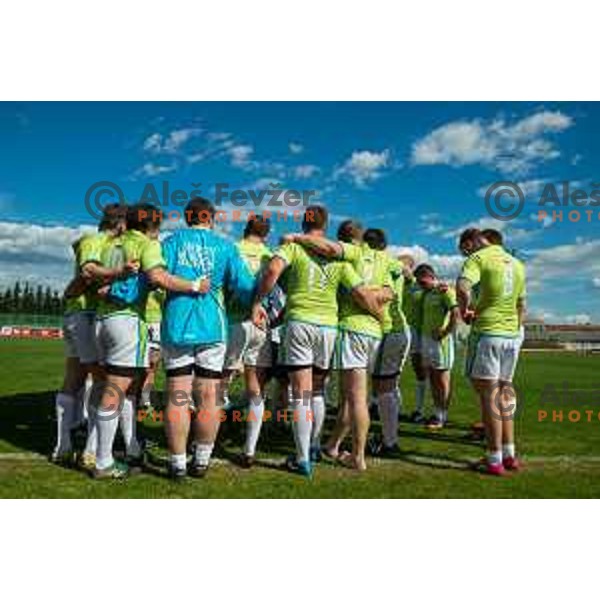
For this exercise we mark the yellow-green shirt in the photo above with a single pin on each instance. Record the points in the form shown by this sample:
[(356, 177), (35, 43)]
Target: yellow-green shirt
[(498, 280), (132, 246), (436, 309), (374, 268), (312, 284), (256, 256)]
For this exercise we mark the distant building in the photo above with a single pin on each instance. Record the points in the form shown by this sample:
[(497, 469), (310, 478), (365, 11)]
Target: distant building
[(567, 337)]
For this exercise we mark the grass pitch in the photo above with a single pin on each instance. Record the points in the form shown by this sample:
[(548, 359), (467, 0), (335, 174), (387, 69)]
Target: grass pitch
[(562, 458)]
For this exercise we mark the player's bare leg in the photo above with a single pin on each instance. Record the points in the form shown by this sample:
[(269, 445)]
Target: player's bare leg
[(342, 427), (508, 408), (317, 406), (354, 384), (207, 421), (255, 379), (109, 410), (300, 406), (420, 387), (66, 409), (440, 389), (177, 422), (488, 396)]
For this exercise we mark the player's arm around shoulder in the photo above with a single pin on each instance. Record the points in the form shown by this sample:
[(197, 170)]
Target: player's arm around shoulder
[(153, 264), (317, 244)]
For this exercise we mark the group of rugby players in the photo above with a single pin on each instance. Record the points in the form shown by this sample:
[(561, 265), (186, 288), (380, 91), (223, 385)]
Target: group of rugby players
[(311, 310)]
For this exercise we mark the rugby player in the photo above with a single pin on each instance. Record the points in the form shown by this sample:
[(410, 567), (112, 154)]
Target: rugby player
[(152, 317), (359, 335), (311, 319), (440, 317), (79, 332), (194, 334), (392, 352), (412, 304), (122, 338), (496, 312), (249, 347)]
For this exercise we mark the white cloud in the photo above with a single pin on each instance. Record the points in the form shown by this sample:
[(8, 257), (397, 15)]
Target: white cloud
[(364, 166), (447, 265), (240, 155), (170, 143), (153, 170), (568, 262), (38, 254), (305, 171), (596, 282), (295, 148), (579, 319), (509, 147)]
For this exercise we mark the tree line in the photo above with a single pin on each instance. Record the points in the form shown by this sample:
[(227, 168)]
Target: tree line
[(24, 298)]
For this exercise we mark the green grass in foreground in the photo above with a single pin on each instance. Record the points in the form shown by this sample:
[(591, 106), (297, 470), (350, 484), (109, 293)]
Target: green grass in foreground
[(563, 459)]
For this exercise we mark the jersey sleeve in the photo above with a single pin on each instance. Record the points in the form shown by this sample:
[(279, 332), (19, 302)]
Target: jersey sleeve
[(522, 291), (89, 250), (350, 252), (471, 270), (240, 280), (349, 278), (151, 256), (286, 252), (450, 298)]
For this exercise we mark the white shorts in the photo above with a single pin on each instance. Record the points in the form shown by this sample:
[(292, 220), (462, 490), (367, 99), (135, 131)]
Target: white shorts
[(79, 334), (392, 354), (154, 337), (247, 346), (492, 357), (203, 359), (415, 341), (122, 341), (356, 351), (438, 355), (307, 345)]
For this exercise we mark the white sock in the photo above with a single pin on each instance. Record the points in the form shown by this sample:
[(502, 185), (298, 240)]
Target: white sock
[(318, 409), (420, 391), (494, 458), (439, 414), (202, 453), (388, 413), (302, 428), (253, 425), (65, 416), (107, 423), (400, 401), (444, 415), (127, 422), (508, 450), (178, 461), (91, 443)]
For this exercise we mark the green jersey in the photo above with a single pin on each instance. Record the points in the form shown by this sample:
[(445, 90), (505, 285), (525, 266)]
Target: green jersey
[(256, 256), (393, 318), (412, 304), (437, 305), (87, 248), (132, 246), (154, 305), (312, 284), (373, 266), (498, 280)]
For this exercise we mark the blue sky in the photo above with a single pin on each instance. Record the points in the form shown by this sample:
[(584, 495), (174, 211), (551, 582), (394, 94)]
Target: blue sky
[(419, 170)]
